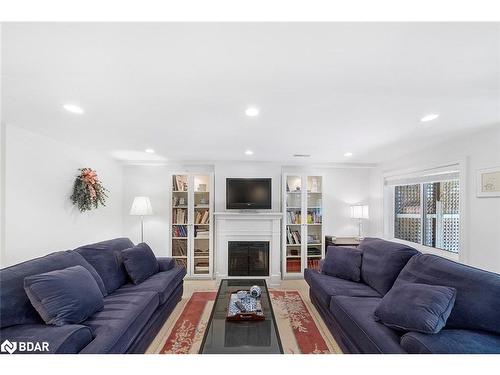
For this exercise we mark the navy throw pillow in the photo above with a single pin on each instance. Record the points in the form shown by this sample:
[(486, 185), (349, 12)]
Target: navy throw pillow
[(140, 262), (67, 296), (416, 307), (343, 262)]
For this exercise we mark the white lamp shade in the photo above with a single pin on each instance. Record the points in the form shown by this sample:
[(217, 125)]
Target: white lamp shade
[(141, 206), (359, 212)]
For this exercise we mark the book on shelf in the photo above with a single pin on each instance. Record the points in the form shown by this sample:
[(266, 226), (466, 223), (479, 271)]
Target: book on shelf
[(314, 251), (293, 237), (180, 183), (180, 215), (293, 265), (179, 231), (313, 264), (202, 217), (179, 248), (293, 217)]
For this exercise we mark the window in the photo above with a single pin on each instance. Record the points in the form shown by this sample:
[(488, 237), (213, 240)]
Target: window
[(427, 210)]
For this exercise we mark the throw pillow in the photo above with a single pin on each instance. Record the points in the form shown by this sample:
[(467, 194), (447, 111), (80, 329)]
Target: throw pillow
[(416, 307), (140, 262), (67, 296), (343, 262)]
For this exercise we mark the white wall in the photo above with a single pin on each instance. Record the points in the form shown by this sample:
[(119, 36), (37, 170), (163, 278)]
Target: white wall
[(343, 187), (478, 150), (39, 216)]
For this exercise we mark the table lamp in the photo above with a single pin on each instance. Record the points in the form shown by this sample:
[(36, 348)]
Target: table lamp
[(359, 212), (141, 207)]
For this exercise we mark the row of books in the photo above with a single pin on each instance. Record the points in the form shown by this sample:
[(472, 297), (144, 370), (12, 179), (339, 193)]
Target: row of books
[(293, 265), (201, 232), (202, 217), (179, 231), (180, 183), (179, 248), (293, 217), (314, 217), (313, 263), (200, 252), (180, 215), (292, 237), (313, 250)]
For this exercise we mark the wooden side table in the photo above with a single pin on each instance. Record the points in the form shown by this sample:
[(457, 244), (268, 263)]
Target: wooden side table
[(341, 241)]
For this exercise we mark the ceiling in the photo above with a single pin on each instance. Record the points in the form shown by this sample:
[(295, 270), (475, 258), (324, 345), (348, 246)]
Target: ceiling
[(182, 88)]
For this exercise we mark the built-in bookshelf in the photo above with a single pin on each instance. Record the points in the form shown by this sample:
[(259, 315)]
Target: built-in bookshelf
[(302, 223), (191, 223)]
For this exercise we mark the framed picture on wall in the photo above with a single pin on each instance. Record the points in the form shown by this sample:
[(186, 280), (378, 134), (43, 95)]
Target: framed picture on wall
[(488, 182)]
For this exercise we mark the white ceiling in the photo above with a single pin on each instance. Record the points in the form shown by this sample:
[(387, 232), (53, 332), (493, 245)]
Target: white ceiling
[(182, 88)]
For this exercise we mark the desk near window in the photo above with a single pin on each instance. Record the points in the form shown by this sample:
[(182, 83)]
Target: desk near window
[(341, 241)]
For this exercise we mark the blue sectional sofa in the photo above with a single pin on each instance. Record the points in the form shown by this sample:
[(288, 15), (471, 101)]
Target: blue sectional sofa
[(132, 314), (348, 307)]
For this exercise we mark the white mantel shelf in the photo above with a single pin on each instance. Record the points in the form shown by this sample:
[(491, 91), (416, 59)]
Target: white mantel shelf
[(248, 226), (257, 215)]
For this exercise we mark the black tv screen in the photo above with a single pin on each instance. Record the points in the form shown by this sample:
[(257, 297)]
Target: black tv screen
[(248, 193)]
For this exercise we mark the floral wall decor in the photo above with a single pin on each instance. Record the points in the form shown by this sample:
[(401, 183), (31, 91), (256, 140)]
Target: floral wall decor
[(88, 191)]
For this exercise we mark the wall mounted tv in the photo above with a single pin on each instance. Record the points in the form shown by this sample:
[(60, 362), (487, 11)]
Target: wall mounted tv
[(248, 193)]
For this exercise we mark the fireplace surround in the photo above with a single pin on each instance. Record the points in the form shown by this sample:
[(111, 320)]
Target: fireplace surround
[(247, 226)]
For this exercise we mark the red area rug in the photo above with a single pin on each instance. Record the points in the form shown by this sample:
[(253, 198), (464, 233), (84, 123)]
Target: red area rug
[(298, 330)]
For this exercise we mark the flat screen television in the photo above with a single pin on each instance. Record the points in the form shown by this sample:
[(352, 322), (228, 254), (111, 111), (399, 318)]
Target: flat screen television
[(248, 193)]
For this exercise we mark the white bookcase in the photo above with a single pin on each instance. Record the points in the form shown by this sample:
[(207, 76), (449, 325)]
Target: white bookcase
[(191, 224), (302, 237)]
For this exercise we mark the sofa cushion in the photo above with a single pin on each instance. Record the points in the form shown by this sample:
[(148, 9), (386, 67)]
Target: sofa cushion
[(355, 317), (124, 315), (416, 307), (477, 304), (15, 307), (67, 339), (106, 258), (324, 287), (67, 296), (163, 283), (452, 341), (343, 262), (382, 262), (140, 262)]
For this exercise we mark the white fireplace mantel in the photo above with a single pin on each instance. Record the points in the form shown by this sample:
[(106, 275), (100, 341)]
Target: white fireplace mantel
[(248, 226)]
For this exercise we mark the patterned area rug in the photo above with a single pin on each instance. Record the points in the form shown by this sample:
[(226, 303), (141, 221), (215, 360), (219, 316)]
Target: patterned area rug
[(298, 329)]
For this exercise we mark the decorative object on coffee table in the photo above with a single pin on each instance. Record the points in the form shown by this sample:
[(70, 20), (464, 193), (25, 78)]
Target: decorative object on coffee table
[(255, 291), (244, 307), (88, 191)]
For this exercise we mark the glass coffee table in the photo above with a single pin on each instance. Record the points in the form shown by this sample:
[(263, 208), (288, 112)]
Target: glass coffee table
[(248, 337)]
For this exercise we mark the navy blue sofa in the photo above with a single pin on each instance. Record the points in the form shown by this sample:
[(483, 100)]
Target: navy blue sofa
[(347, 307), (132, 314)]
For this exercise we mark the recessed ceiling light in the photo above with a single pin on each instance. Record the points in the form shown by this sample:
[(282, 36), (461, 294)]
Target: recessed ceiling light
[(429, 117), (73, 108), (301, 155), (248, 152), (149, 151), (348, 154), (252, 112)]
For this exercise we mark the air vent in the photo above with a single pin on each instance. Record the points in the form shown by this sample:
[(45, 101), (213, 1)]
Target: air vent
[(301, 155)]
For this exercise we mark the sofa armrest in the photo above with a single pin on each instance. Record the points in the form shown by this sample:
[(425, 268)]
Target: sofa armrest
[(68, 339), (166, 263)]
